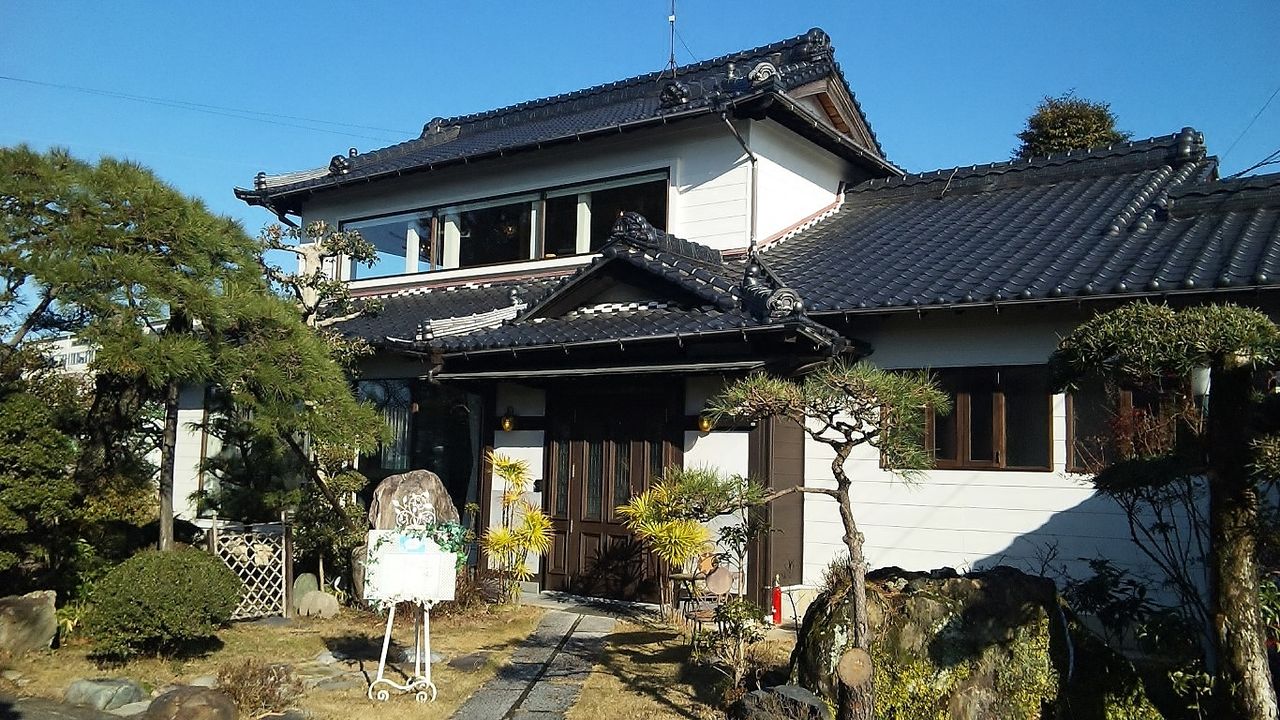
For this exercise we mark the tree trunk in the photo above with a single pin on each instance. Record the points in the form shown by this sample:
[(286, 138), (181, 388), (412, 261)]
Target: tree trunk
[(168, 447), (855, 702), (1233, 514)]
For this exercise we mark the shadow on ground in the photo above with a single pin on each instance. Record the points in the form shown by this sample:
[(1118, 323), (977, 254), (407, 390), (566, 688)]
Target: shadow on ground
[(635, 659)]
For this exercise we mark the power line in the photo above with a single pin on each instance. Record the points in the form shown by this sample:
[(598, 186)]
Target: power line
[(1251, 122), (1271, 159), (238, 113)]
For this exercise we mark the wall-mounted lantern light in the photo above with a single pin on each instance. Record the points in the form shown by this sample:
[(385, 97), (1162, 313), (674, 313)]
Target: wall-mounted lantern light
[(508, 421), (705, 423)]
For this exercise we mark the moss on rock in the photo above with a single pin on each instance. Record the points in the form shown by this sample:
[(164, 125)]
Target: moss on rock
[(995, 644)]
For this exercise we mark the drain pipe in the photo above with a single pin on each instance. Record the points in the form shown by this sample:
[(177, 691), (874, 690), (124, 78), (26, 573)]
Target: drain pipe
[(751, 240)]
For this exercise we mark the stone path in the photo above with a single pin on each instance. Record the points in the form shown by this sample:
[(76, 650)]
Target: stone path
[(545, 674)]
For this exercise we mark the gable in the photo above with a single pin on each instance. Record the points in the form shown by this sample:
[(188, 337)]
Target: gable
[(828, 100), (614, 282)]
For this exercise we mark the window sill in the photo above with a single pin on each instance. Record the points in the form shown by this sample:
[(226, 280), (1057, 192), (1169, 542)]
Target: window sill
[(482, 271)]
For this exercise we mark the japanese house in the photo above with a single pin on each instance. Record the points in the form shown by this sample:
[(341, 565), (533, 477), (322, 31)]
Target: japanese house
[(569, 279)]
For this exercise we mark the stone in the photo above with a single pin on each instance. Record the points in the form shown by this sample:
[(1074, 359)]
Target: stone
[(303, 584), (12, 676), (392, 492), (470, 662), (325, 658), (207, 681), (318, 603), (28, 622), (104, 693), (990, 644), (359, 556), (132, 709), (341, 682), (783, 702), (192, 703)]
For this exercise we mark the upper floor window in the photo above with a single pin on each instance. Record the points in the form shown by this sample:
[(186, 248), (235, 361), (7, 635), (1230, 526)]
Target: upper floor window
[(1001, 417), (557, 222)]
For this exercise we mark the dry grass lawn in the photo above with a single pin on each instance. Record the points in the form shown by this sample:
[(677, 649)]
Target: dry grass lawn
[(646, 672), (355, 633)]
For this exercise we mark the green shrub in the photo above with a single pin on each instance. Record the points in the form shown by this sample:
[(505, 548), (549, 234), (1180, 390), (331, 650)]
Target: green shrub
[(161, 602)]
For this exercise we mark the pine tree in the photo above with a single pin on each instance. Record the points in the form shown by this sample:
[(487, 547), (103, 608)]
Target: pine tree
[(1067, 123)]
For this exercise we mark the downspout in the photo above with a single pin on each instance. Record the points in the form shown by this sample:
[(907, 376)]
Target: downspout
[(751, 241)]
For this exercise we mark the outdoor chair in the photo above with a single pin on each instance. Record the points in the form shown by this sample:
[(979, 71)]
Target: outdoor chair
[(709, 595)]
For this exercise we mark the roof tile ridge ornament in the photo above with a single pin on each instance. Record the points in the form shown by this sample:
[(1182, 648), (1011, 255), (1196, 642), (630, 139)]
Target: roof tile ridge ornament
[(765, 296), (634, 231)]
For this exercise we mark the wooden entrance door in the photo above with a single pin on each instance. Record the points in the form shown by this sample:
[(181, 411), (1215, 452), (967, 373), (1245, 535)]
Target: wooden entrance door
[(600, 453)]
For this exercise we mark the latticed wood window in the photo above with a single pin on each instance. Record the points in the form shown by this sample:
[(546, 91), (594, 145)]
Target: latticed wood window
[(1001, 418), (1105, 426)]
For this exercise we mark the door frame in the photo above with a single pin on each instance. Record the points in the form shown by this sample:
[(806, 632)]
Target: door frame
[(564, 407)]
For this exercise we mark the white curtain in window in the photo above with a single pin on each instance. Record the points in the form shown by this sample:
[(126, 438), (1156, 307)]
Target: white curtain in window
[(395, 453)]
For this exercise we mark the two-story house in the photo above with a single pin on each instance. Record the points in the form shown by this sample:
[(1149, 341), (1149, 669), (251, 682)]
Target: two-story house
[(569, 279)]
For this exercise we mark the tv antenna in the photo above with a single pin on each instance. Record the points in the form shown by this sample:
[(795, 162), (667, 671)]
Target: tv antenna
[(671, 20)]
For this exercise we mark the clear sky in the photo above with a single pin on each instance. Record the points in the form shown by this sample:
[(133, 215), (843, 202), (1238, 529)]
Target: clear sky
[(942, 83)]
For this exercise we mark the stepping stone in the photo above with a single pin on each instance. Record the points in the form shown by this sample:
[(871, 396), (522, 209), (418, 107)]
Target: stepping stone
[(470, 662)]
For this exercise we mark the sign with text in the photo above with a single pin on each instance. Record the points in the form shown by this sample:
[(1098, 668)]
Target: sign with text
[(405, 566)]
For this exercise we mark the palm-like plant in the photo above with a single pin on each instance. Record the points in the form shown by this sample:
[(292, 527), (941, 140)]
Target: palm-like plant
[(524, 529)]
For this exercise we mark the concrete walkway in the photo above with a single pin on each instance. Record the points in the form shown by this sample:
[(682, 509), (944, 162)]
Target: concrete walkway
[(546, 672)]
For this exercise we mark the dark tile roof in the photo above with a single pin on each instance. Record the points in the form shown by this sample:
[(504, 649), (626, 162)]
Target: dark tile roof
[(403, 312), (703, 87), (1140, 217)]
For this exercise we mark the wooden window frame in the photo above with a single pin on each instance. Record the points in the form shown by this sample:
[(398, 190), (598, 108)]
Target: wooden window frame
[(999, 431)]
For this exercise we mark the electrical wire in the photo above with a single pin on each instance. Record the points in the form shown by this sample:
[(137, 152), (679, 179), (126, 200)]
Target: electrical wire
[(695, 58), (1251, 122), (241, 114), (1272, 159)]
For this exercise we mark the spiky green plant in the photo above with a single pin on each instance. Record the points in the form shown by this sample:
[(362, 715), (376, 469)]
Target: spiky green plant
[(524, 528)]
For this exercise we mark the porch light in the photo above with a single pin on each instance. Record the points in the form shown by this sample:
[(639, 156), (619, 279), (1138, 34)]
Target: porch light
[(508, 421), (705, 423)]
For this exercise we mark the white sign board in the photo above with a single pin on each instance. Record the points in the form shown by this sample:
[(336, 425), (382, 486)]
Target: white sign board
[(403, 567)]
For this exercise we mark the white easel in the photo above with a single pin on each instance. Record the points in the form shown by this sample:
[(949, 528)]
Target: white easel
[(420, 681), (404, 567)]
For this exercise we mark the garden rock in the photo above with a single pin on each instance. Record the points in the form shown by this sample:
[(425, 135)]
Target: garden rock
[(470, 662), (192, 703), (318, 603), (104, 693), (784, 702), (28, 622), (988, 644), (206, 681), (359, 556), (382, 510), (132, 709), (305, 583)]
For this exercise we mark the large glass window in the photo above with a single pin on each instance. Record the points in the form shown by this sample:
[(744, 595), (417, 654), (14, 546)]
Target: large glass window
[(494, 234), (403, 244), (1105, 426), (1000, 418), (395, 399), (649, 199), (560, 222)]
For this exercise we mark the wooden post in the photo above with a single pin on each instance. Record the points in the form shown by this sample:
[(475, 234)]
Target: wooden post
[(288, 565)]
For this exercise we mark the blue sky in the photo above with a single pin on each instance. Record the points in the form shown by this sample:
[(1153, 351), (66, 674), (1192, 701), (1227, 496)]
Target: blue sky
[(942, 83)]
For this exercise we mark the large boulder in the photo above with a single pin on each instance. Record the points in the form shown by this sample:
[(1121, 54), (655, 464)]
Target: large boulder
[(988, 644), (392, 496), (104, 693), (27, 622), (318, 603), (303, 584), (192, 703)]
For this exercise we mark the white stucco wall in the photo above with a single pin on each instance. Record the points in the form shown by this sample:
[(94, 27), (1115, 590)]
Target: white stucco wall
[(528, 445), (797, 178), (707, 200), (967, 518), (187, 452)]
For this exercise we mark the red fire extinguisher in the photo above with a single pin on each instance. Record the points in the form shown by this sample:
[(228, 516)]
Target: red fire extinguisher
[(777, 601)]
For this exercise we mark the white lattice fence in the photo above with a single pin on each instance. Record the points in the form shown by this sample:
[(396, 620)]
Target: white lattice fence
[(260, 557)]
